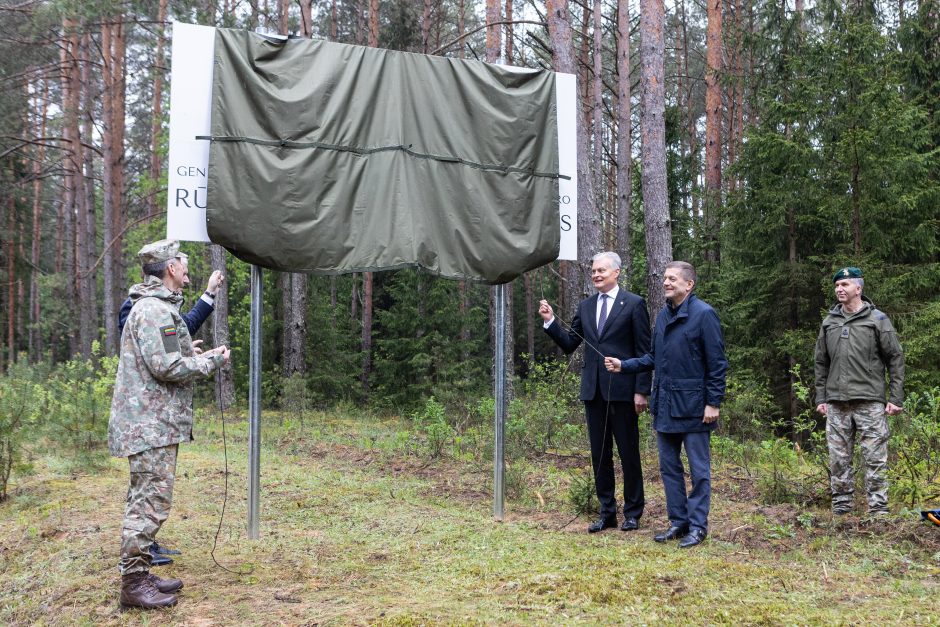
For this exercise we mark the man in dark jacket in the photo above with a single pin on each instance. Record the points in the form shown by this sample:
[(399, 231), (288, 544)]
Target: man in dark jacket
[(856, 343), (194, 318), (615, 322), (688, 355)]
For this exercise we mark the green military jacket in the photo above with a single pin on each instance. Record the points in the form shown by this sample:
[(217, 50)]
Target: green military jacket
[(852, 352), (152, 404)]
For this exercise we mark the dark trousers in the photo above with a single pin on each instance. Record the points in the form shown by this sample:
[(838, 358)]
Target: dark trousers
[(686, 510), (606, 423)]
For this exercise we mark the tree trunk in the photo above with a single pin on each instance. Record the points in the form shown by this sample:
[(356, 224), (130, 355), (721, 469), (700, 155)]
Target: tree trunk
[(88, 255), (509, 42), (113, 50), (71, 179), (20, 288), (354, 298), (39, 123), (156, 125), (624, 146), (492, 31), (598, 93), (653, 151), (283, 12), (296, 360), (294, 284), (530, 316), (284, 285), (220, 327), (426, 27), (306, 18), (117, 190), (11, 279), (577, 277), (367, 280), (373, 23), (461, 26), (713, 118), (367, 277), (333, 29), (685, 96)]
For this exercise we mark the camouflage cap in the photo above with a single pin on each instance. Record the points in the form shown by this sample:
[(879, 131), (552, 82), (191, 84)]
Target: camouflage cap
[(847, 273), (158, 252)]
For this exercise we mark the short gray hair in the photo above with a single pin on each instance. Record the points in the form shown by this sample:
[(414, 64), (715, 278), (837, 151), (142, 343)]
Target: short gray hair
[(860, 282), (155, 269), (686, 269), (614, 258), (159, 269)]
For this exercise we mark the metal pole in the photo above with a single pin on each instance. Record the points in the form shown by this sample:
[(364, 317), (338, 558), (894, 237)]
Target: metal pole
[(254, 404), (499, 394)]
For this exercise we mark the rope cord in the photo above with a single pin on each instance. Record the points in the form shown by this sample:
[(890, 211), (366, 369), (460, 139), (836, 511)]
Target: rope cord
[(609, 384), (246, 570), (407, 149)]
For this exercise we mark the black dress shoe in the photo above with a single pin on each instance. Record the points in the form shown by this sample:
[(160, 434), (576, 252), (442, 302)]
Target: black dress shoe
[(673, 533), (629, 524), (601, 524), (163, 550), (158, 559), (696, 536)]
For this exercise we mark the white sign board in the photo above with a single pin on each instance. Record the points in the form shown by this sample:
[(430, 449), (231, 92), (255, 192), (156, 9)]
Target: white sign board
[(565, 94), (190, 116)]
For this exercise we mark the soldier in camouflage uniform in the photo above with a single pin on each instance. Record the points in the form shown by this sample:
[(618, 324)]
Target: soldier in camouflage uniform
[(856, 344), (151, 413)]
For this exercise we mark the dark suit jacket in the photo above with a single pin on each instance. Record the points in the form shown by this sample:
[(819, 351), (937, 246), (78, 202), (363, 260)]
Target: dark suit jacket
[(689, 357), (626, 334), (193, 318)]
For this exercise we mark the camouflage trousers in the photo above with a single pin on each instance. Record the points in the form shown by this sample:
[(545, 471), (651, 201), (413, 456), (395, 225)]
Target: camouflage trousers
[(867, 421), (149, 497)]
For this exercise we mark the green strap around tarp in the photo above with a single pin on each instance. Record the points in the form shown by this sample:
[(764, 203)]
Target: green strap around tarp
[(328, 158)]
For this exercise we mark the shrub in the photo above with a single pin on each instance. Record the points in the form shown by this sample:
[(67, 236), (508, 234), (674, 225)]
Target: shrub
[(542, 416), (914, 464), (22, 401), (79, 405), (432, 421)]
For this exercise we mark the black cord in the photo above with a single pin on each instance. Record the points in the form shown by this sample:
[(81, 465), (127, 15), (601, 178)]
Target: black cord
[(246, 570), (610, 382)]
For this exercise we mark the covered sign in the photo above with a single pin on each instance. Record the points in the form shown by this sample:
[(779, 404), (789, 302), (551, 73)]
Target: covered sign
[(330, 158)]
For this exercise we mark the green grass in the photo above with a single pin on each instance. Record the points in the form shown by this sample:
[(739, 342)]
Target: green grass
[(354, 530)]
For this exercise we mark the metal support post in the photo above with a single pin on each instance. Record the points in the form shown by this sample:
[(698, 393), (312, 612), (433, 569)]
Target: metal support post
[(499, 395), (254, 404)]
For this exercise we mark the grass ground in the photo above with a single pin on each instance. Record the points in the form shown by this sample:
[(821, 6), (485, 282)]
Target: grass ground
[(354, 531)]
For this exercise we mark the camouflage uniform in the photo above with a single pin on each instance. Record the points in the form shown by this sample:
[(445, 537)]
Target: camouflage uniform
[(843, 421), (151, 411), (853, 353)]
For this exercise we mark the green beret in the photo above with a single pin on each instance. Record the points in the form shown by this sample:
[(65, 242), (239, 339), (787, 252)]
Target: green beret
[(158, 252), (847, 273)]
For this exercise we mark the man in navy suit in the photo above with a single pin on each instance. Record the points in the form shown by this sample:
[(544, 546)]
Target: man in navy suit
[(203, 308), (689, 357), (613, 322)]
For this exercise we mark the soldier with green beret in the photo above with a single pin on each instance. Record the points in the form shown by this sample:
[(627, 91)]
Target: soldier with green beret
[(856, 346), (151, 413)]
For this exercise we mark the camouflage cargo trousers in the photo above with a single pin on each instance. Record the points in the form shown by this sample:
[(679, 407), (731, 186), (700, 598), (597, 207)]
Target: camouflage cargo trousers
[(867, 421), (149, 497)]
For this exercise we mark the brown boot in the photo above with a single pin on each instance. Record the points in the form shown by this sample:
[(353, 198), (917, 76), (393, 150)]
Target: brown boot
[(138, 591), (166, 586)]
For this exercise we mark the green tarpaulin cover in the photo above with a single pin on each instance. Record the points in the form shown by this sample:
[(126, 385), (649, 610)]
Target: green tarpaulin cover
[(329, 158)]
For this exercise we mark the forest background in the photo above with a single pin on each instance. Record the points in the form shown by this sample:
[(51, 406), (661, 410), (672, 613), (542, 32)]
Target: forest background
[(768, 143)]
